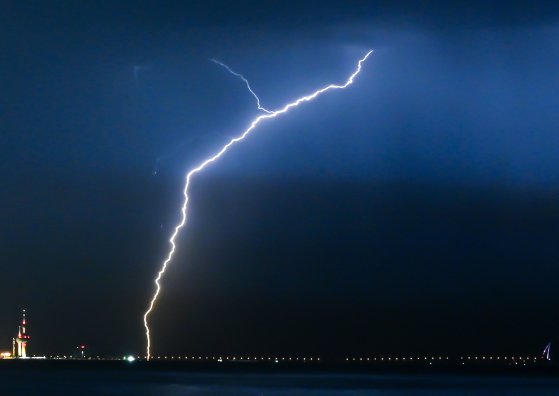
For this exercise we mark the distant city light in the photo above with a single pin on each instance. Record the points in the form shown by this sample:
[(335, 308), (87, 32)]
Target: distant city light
[(130, 358)]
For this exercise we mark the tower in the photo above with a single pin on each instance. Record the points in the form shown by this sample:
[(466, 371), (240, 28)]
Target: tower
[(22, 338)]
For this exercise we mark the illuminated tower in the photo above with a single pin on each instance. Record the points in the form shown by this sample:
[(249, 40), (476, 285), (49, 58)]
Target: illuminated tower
[(22, 339)]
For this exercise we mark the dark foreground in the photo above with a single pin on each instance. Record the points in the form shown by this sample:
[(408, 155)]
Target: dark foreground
[(141, 378)]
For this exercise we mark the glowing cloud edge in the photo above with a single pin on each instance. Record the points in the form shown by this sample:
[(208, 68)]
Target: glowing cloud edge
[(213, 158)]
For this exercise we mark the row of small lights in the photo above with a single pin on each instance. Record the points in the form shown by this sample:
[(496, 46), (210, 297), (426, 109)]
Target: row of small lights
[(442, 358), (305, 359), (220, 359), (398, 358), (198, 358), (499, 358)]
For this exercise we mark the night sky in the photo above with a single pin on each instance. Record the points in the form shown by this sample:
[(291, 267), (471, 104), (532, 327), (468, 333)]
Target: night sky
[(417, 211)]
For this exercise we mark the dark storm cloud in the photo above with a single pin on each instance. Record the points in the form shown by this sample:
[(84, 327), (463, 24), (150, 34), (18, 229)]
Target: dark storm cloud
[(152, 17), (308, 15)]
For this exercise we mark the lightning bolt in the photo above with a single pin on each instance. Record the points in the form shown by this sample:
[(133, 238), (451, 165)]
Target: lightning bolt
[(215, 157), (245, 81)]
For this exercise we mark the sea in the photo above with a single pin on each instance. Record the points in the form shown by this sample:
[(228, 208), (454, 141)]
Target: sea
[(123, 378)]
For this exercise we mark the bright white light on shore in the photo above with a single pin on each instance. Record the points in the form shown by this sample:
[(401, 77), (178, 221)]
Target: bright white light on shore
[(130, 358)]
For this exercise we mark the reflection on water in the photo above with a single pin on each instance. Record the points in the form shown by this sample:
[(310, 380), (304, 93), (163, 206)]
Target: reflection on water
[(85, 381)]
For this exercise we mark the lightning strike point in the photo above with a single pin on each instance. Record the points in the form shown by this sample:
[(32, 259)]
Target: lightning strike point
[(269, 115)]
